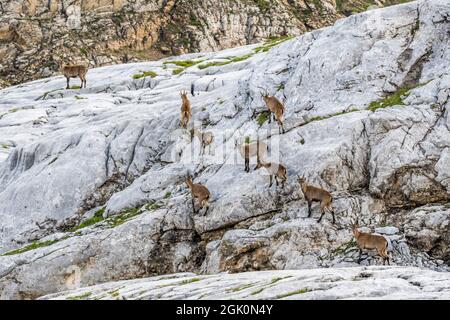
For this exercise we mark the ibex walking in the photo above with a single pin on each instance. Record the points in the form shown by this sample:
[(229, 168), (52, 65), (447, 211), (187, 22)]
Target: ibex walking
[(314, 194), (278, 171), (73, 71), (276, 109), (249, 150), (371, 242), (186, 109), (199, 192)]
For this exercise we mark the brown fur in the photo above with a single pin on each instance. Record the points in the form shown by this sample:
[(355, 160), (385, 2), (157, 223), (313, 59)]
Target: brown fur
[(276, 170), (199, 192), (73, 71), (186, 109), (205, 138), (371, 242), (249, 150), (277, 109), (314, 194)]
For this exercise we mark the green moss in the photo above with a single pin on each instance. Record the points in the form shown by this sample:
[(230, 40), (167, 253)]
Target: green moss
[(394, 99), (302, 141), (187, 281), (257, 291), (80, 297), (5, 146), (144, 74), (32, 246), (213, 64), (167, 195), (177, 71), (79, 98), (300, 291), (193, 21), (83, 51), (262, 118), (122, 217), (97, 217), (183, 63), (318, 118)]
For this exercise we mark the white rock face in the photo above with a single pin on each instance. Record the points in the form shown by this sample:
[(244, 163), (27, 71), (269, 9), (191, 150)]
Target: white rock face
[(114, 154), (315, 284)]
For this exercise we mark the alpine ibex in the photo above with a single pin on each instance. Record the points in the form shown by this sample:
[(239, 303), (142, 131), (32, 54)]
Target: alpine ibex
[(276, 109), (205, 138), (314, 194), (371, 242), (73, 71), (249, 150), (199, 192), (186, 109), (278, 171)]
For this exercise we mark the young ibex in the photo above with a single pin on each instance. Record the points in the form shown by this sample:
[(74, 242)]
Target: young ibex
[(205, 138), (73, 71), (278, 171), (186, 109), (276, 109), (249, 150), (199, 192), (313, 194), (371, 241)]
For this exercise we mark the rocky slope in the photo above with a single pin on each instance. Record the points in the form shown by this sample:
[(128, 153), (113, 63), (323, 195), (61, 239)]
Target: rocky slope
[(343, 283), (91, 180), (37, 36)]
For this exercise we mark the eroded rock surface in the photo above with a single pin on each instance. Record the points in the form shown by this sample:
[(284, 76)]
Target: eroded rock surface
[(92, 180)]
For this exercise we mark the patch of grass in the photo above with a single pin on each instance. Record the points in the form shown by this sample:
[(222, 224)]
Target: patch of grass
[(187, 281), (271, 43), (34, 245), (122, 217), (213, 64), (80, 297), (155, 205), (242, 58), (13, 110), (144, 74), (318, 118), (262, 118), (257, 291), (5, 146), (53, 160), (394, 99), (79, 98), (84, 52), (300, 291), (247, 140), (177, 71), (183, 63), (302, 141), (447, 205), (243, 287), (74, 87), (167, 195), (97, 217)]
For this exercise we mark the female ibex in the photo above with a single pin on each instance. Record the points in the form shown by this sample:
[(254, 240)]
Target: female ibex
[(278, 171), (313, 194), (186, 109), (371, 241), (73, 71), (205, 138), (249, 150), (276, 109), (199, 192)]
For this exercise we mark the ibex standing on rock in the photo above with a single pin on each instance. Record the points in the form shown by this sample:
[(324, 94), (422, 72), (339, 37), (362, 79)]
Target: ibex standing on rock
[(276, 109), (205, 138), (186, 109), (73, 71), (199, 192), (278, 171), (248, 150), (371, 242), (314, 194)]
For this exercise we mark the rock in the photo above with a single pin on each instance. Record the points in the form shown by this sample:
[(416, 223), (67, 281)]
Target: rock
[(339, 283), (387, 230), (92, 180)]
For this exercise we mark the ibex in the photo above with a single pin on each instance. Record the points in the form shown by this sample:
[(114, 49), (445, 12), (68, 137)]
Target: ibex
[(199, 192), (205, 138), (73, 71), (276, 109), (278, 171), (314, 194), (371, 242), (186, 109), (249, 150)]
